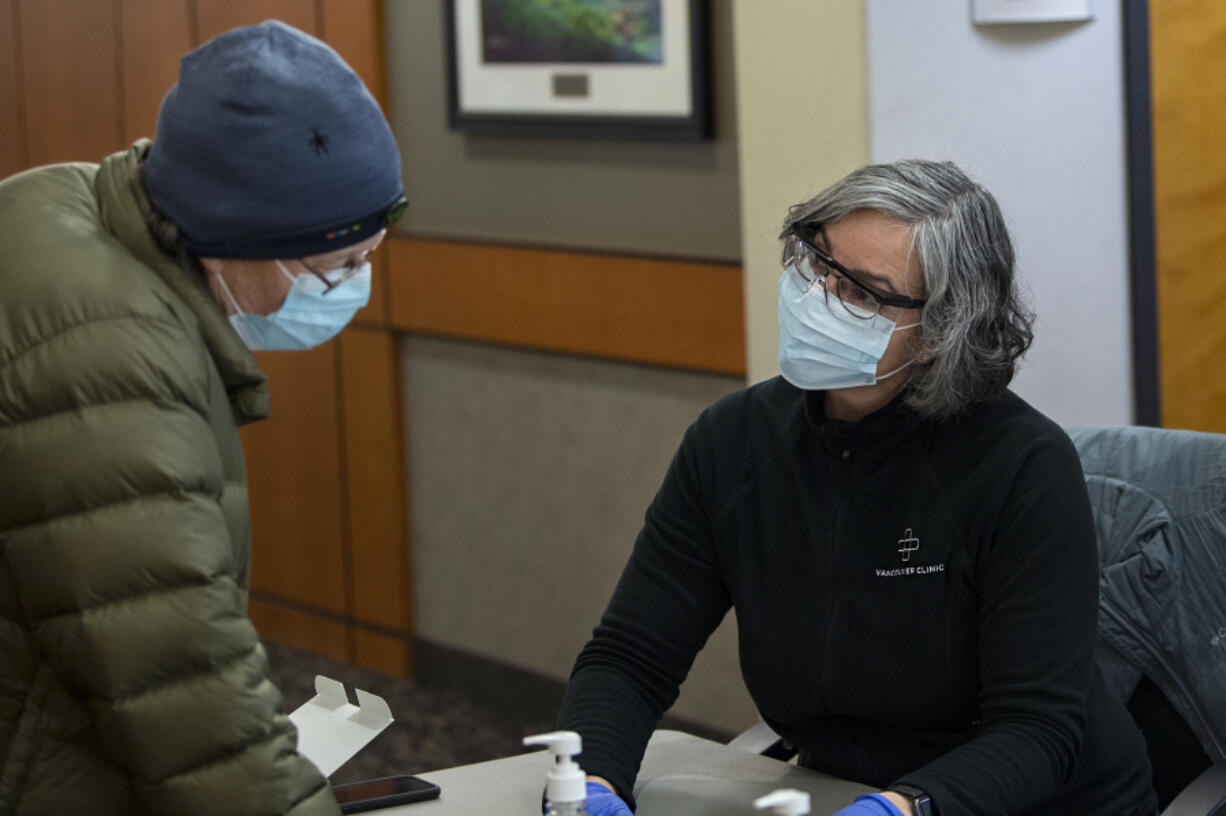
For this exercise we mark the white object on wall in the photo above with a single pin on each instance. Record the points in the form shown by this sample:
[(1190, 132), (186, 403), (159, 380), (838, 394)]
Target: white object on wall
[(1029, 11)]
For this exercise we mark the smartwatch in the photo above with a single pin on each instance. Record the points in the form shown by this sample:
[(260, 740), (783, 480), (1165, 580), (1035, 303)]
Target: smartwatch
[(921, 802)]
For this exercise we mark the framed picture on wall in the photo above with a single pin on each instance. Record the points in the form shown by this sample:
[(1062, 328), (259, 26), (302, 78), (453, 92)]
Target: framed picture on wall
[(611, 69)]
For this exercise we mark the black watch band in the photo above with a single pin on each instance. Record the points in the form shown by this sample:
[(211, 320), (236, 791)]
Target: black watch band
[(921, 802)]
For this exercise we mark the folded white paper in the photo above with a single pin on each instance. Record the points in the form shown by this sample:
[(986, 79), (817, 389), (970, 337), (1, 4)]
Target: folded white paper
[(331, 729)]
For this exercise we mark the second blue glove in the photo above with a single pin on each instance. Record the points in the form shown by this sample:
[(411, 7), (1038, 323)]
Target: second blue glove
[(871, 804), (603, 802)]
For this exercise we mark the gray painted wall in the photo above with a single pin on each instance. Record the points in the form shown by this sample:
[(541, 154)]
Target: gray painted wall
[(529, 474), (648, 198)]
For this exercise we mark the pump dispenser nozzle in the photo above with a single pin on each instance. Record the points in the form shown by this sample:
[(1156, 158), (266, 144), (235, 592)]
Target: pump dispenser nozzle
[(565, 783), (784, 802)]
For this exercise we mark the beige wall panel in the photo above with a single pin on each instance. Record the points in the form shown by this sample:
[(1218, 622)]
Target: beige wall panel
[(155, 34), (530, 476), (12, 116), (215, 16), (296, 483), (70, 67), (1188, 64), (802, 118)]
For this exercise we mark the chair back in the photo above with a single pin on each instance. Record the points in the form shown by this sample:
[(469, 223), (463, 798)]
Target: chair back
[(1159, 503)]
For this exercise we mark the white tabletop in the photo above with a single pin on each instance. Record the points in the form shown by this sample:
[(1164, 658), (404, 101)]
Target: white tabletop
[(681, 775)]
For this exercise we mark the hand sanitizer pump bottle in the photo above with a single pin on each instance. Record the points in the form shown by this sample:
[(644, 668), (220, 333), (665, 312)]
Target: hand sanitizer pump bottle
[(784, 802), (565, 784)]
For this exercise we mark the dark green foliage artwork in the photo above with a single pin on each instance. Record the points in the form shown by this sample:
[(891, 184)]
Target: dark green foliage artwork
[(571, 31)]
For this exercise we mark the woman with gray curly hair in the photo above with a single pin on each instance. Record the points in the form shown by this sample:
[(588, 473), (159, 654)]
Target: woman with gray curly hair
[(955, 251), (908, 545)]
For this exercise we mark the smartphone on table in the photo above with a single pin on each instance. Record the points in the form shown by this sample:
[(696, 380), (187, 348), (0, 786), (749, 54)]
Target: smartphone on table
[(372, 794)]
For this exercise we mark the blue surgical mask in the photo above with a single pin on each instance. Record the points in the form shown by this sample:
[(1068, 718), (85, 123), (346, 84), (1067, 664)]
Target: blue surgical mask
[(822, 347), (311, 313)]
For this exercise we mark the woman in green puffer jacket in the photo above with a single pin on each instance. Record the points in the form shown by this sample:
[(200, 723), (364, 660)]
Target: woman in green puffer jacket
[(131, 296)]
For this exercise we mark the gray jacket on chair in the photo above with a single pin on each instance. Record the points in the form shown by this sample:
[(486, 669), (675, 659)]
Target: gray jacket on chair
[(1159, 499)]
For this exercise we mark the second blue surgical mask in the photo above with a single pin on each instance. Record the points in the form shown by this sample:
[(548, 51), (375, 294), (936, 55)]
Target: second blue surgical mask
[(822, 347)]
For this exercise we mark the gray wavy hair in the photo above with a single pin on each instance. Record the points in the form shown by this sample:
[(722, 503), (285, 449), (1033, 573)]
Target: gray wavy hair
[(975, 325)]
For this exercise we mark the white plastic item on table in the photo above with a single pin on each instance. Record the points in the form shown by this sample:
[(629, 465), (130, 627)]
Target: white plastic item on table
[(784, 802)]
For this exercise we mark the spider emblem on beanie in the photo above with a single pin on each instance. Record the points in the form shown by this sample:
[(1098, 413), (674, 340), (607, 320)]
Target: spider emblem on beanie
[(270, 146)]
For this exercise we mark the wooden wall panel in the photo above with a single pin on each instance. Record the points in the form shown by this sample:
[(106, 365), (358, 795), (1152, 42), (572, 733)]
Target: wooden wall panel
[(375, 312), (375, 477), (70, 69), (83, 78), (295, 480), (355, 30), (215, 16), (154, 35), (1188, 65), (295, 627), (671, 313), (382, 653), (12, 116)]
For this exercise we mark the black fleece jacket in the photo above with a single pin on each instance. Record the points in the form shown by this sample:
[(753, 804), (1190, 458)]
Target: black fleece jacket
[(915, 601)]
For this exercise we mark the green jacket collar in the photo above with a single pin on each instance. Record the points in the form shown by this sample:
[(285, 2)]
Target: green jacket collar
[(125, 208)]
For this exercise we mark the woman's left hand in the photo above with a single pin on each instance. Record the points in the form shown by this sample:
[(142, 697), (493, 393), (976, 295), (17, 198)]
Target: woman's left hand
[(871, 804)]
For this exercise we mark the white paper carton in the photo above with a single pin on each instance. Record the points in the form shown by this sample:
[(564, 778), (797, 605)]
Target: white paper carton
[(331, 729)]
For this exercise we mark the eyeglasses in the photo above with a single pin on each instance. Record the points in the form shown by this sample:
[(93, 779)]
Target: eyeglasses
[(336, 277), (813, 266)]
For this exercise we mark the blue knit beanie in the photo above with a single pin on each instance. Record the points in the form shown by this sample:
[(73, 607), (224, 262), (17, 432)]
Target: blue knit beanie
[(270, 146)]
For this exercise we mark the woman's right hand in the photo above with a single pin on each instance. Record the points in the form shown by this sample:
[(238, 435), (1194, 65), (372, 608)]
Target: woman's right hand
[(602, 801)]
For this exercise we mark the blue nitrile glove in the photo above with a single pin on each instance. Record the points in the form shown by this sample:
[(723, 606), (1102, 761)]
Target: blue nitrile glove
[(603, 802), (870, 804)]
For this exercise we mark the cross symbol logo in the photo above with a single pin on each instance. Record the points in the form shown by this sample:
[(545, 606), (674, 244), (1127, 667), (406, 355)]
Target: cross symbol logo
[(907, 545)]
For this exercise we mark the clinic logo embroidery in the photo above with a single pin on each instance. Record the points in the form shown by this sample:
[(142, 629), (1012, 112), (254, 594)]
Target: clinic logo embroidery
[(318, 141), (907, 545)]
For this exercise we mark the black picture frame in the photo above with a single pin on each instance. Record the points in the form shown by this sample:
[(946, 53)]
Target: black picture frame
[(665, 101)]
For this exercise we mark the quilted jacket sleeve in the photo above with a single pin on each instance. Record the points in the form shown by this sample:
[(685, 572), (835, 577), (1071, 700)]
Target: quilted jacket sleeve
[(115, 531)]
